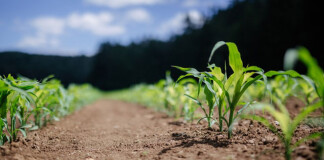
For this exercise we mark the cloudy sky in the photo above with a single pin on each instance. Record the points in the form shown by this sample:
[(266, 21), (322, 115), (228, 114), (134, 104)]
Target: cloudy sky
[(74, 27)]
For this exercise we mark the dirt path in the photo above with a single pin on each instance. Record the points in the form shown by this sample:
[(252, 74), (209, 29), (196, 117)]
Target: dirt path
[(119, 130)]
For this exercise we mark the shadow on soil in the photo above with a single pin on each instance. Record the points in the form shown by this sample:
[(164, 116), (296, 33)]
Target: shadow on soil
[(189, 141)]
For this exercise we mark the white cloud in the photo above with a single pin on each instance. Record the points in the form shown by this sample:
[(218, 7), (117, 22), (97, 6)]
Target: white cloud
[(220, 4), (173, 25), (38, 40), (47, 31), (196, 17), (98, 24), (177, 23), (138, 15), (190, 3), (48, 25), (122, 3)]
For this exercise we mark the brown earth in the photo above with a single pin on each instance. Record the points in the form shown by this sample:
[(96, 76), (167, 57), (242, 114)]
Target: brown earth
[(119, 130)]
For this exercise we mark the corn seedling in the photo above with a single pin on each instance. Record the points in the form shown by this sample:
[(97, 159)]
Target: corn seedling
[(16, 100), (225, 92), (172, 97), (287, 125), (314, 71), (175, 102), (256, 92), (47, 100), (316, 78), (189, 108)]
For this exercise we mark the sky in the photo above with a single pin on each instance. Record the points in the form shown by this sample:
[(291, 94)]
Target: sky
[(78, 27)]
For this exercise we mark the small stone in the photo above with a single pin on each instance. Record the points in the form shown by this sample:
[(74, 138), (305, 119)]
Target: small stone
[(276, 123), (251, 141)]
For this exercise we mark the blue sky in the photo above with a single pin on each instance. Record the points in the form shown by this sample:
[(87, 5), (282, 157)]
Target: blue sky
[(74, 27)]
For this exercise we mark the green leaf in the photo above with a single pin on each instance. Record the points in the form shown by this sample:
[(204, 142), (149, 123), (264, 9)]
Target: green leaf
[(34, 128), (235, 60), (26, 126), (261, 120), (252, 68), (309, 137), (192, 71), (283, 119), (216, 46), (194, 99), (210, 95), (311, 83), (291, 73), (201, 78), (240, 111), (46, 79), (197, 102), (24, 93), (290, 59), (201, 119), (313, 69), (247, 76), (217, 72), (183, 76), (304, 113), (26, 85), (23, 132), (225, 120)]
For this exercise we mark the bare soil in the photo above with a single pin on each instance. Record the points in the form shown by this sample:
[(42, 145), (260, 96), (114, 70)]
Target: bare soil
[(118, 130)]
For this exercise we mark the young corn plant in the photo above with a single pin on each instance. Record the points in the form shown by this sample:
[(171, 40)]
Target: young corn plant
[(3, 110), (16, 100), (284, 86), (287, 124), (21, 98), (189, 107), (225, 92), (175, 104), (314, 71), (316, 78), (256, 92), (3, 137), (306, 92), (52, 102), (172, 97)]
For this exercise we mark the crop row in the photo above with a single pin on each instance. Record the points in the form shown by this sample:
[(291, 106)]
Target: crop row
[(27, 104), (225, 98)]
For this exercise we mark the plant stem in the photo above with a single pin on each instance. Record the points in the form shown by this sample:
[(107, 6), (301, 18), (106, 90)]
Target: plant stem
[(220, 119), (287, 150), (230, 123)]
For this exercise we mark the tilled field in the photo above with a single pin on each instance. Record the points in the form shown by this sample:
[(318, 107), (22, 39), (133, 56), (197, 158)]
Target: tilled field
[(118, 130)]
